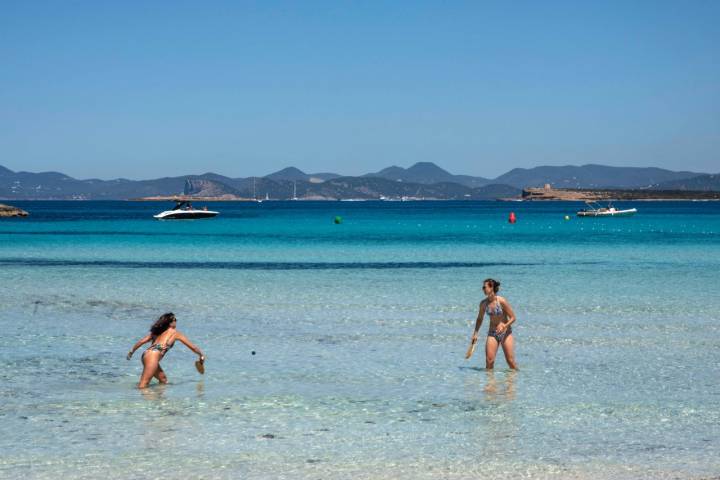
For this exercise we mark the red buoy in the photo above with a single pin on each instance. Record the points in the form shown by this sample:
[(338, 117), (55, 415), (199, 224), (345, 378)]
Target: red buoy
[(512, 218)]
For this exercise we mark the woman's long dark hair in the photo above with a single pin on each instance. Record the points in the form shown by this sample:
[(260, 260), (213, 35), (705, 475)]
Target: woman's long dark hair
[(162, 324)]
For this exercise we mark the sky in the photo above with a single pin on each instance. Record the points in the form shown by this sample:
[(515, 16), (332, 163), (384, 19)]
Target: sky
[(163, 88)]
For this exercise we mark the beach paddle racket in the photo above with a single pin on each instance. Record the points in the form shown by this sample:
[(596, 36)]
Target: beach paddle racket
[(200, 366), (470, 350)]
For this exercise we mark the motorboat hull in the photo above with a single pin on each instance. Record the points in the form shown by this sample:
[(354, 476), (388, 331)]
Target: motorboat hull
[(185, 214)]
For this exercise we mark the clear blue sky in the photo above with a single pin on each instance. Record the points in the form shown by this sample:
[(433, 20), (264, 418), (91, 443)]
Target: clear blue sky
[(148, 89)]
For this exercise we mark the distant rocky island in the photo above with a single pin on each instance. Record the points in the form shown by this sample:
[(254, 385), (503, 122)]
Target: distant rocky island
[(9, 211), (422, 181), (548, 193)]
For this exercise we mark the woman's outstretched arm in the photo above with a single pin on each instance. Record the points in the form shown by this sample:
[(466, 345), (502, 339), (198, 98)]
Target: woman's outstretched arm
[(147, 338), (191, 346)]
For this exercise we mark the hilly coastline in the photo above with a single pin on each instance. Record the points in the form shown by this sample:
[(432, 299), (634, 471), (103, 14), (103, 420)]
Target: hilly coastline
[(424, 180), (592, 176), (340, 188)]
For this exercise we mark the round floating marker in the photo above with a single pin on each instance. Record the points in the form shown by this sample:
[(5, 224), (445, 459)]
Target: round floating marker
[(567, 217), (512, 218), (338, 220)]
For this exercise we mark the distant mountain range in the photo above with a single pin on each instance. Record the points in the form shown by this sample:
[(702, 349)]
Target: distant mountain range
[(703, 183), (422, 180), (429, 173), (592, 176), (295, 174)]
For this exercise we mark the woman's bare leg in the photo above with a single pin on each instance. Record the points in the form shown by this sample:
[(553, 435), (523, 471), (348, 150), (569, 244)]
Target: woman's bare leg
[(151, 362), (491, 347), (508, 346), (160, 374)]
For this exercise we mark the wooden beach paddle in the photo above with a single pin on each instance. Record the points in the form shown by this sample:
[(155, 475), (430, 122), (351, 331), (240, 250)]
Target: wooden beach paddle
[(471, 349), (200, 366)]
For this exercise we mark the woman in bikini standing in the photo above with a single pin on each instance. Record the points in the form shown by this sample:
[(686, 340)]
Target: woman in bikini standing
[(162, 337), (500, 333)]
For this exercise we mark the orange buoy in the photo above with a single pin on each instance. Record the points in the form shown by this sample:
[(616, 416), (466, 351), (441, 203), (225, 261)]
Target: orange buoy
[(512, 218)]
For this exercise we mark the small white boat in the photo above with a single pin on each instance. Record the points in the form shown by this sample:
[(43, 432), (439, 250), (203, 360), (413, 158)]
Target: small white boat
[(185, 210), (596, 210)]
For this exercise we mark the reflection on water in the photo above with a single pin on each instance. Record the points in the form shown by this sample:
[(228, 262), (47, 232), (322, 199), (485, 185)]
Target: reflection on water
[(200, 388), (497, 386), (500, 387), (502, 427), (157, 391), (491, 412), (154, 392)]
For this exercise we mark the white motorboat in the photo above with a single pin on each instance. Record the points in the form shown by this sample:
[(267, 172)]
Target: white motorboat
[(185, 210), (596, 210)]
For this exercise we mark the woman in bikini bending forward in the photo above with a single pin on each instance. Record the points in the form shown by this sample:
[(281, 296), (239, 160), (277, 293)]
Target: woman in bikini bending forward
[(500, 333), (162, 337)]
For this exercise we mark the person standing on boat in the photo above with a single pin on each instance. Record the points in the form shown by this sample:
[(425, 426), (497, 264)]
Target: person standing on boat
[(162, 337), (500, 332)]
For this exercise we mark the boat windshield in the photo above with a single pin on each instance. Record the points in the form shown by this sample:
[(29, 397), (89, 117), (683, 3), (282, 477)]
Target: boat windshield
[(182, 205), (593, 206)]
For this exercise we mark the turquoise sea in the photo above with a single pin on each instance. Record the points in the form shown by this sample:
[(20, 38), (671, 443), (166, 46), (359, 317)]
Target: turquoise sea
[(359, 332)]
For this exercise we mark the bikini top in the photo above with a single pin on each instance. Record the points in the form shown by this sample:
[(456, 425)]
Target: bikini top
[(163, 347), (494, 311)]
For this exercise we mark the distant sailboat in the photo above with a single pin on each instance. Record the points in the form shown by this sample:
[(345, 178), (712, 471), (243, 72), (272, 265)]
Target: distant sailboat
[(254, 193)]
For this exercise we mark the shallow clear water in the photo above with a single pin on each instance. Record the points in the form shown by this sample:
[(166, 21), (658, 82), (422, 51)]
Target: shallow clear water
[(359, 331)]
